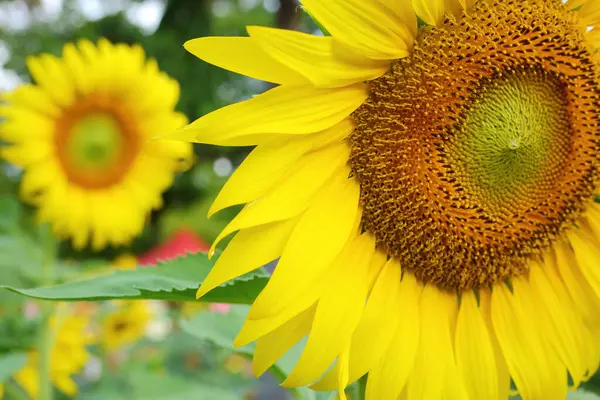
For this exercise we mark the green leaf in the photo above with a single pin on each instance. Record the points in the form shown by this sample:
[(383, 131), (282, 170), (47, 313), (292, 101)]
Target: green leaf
[(10, 212), (175, 280), (582, 395), (149, 385), (221, 330), (11, 363)]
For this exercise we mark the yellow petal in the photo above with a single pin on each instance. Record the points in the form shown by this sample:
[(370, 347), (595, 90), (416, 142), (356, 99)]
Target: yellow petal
[(248, 250), (313, 57), (50, 73), (312, 246), (267, 164), (338, 312), (558, 321), (364, 26), (454, 7), (430, 11), (343, 373), (292, 195), (78, 68), (25, 125), (35, 98), (467, 4), (405, 13), (575, 282), (282, 110), (27, 154), (502, 375), (428, 379), (536, 371), (274, 345), (590, 12), (475, 358), (587, 254), (254, 329), (368, 344), (244, 56), (387, 377)]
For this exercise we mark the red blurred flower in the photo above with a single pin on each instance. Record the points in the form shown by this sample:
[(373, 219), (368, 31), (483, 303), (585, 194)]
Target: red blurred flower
[(182, 242)]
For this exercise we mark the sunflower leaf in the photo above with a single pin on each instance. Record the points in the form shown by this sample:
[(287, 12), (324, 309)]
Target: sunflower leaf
[(221, 329), (11, 363), (175, 280)]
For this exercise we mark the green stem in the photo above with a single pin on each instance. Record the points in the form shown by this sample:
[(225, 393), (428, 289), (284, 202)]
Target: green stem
[(47, 333)]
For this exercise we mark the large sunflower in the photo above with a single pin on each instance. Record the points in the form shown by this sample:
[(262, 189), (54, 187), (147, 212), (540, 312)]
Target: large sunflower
[(429, 193), (82, 133)]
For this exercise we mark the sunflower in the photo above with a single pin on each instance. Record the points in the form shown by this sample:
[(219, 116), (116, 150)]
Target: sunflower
[(126, 324), (69, 355), (82, 134), (428, 190)]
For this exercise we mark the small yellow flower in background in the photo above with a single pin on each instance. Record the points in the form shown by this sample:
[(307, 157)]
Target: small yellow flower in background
[(125, 261), (83, 135), (69, 355), (428, 193), (126, 324)]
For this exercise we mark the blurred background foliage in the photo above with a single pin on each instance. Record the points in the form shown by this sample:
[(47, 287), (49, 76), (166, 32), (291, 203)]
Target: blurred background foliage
[(165, 362), (161, 26)]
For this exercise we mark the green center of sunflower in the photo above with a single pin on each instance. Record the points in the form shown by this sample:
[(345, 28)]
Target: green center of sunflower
[(513, 139), (95, 142), (476, 152)]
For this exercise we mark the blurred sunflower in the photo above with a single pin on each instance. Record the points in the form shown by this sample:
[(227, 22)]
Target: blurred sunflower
[(82, 133), (69, 356), (429, 193), (125, 325)]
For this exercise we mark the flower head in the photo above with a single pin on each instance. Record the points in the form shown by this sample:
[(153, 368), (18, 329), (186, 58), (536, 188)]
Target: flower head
[(429, 194), (69, 355), (83, 135), (126, 324)]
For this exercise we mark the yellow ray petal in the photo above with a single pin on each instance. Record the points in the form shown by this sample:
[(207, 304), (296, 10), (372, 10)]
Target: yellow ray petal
[(405, 13), (244, 56), (338, 312), (536, 371), (454, 7), (314, 57), (475, 358), (312, 246), (575, 282), (282, 110), (343, 373), (274, 345), (269, 163), (27, 154), (365, 26), (590, 12), (428, 379), (248, 250), (368, 344), (254, 329), (502, 375), (430, 11), (587, 254), (467, 4), (78, 68), (33, 97), (292, 195), (561, 326), (23, 125), (50, 73), (387, 377)]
